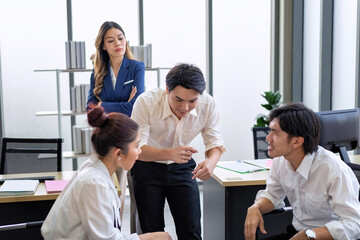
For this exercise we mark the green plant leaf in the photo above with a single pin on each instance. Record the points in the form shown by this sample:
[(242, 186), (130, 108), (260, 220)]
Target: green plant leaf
[(273, 101)]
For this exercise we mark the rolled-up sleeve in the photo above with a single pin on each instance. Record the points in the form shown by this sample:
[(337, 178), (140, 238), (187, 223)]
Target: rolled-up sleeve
[(346, 206), (141, 116), (211, 133), (274, 187)]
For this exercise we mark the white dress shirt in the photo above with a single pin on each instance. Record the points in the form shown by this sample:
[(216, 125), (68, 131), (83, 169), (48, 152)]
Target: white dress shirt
[(160, 128), (323, 191), (88, 208)]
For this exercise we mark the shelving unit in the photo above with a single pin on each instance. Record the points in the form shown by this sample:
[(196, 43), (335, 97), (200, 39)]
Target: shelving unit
[(60, 113)]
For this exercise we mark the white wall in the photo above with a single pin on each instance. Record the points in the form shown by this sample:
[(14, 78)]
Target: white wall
[(241, 69), (32, 37)]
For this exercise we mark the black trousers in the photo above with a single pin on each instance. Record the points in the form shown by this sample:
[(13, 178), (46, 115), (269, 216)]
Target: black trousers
[(153, 182), (290, 232)]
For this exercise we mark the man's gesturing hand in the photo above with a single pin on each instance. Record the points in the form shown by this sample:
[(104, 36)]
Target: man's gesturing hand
[(182, 154)]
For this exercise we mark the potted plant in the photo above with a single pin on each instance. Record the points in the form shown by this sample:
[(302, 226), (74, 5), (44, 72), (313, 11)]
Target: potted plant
[(273, 101), (261, 127)]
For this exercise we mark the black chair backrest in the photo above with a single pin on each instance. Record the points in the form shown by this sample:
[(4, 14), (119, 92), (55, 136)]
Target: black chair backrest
[(27, 155), (260, 144)]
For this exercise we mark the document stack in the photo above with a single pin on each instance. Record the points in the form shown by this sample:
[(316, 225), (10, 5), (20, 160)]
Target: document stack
[(82, 139), (75, 55), (19, 187), (79, 94), (143, 53)]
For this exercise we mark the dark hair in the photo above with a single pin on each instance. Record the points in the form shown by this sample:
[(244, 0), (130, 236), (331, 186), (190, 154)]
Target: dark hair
[(111, 130), (187, 76), (297, 120)]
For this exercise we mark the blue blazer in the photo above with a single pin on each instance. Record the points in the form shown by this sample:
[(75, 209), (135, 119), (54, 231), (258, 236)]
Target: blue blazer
[(131, 73)]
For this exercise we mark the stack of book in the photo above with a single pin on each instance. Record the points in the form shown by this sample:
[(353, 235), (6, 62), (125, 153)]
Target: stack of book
[(19, 187), (143, 54), (82, 139), (75, 55), (79, 95)]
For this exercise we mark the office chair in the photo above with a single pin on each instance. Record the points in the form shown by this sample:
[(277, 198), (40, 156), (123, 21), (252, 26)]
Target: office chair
[(260, 144), (27, 155), (35, 224)]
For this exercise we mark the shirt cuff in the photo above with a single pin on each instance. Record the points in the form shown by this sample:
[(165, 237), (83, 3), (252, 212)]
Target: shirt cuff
[(336, 230), (134, 236), (211, 146), (265, 194)]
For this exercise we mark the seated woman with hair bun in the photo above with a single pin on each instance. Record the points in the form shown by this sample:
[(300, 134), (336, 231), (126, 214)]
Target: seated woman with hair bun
[(89, 206)]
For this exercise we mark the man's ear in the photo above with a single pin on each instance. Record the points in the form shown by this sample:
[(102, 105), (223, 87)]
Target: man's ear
[(167, 90), (298, 142)]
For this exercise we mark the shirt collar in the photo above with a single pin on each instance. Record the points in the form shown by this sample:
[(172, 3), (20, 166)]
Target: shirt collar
[(305, 165), (99, 164), (167, 110)]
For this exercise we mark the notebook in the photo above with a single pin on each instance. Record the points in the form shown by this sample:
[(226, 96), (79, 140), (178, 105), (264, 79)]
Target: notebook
[(55, 186), (19, 187)]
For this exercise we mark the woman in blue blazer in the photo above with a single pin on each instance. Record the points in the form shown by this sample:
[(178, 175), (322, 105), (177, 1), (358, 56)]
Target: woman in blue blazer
[(115, 83), (117, 79)]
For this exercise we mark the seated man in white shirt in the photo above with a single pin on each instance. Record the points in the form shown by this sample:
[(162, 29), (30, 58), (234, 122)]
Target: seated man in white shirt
[(321, 188), (169, 120)]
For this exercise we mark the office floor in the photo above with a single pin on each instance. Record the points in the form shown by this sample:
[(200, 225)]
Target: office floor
[(169, 222)]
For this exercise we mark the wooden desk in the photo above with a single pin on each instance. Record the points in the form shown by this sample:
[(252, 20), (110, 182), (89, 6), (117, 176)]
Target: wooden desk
[(227, 196), (355, 159), (26, 208)]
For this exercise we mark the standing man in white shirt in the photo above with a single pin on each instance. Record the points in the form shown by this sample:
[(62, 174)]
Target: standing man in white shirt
[(169, 120), (321, 188)]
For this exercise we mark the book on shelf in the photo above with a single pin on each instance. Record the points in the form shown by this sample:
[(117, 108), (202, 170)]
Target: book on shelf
[(72, 55), (73, 99), (55, 186), (67, 55), (82, 55), (75, 55), (79, 94), (19, 187), (82, 139), (78, 54), (143, 54)]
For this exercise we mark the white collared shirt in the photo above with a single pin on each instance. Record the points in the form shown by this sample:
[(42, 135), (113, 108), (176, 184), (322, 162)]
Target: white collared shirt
[(160, 128), (88, 208), (323, 191)]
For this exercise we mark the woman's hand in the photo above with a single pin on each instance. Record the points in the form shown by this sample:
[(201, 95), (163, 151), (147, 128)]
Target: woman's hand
[(133, 93)]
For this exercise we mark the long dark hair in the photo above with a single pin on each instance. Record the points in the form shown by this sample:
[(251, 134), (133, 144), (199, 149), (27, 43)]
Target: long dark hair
[(102, 57), (111, 130)]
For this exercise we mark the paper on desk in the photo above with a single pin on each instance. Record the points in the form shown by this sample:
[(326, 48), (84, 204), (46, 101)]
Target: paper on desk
[(55, 186), (240, 166), (264, 163)]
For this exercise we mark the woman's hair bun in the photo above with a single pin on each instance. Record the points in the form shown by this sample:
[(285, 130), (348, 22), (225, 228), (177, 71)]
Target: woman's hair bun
[(96, 116)]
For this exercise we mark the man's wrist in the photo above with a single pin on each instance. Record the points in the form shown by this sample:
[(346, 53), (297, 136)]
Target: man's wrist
[(309, 233)]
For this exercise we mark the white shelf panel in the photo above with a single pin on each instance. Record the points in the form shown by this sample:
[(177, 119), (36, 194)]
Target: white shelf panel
[(63, 70), (71, 154), (55, 113)]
